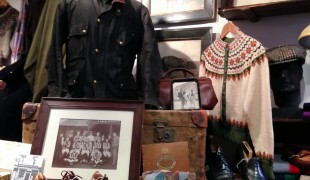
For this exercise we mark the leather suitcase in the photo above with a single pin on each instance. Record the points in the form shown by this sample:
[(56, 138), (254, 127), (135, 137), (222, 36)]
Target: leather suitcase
[(167, 126), (30, 114)]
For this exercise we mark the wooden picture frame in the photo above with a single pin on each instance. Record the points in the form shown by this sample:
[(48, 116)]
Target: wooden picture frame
[(185, 94), (167, 12), (108, 117), (184, 44)]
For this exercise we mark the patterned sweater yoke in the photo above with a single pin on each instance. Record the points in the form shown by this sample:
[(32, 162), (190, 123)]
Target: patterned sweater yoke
[(246, 88)]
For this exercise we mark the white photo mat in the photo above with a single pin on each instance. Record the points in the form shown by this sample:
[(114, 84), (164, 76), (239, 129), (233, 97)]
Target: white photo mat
[(126, 118)]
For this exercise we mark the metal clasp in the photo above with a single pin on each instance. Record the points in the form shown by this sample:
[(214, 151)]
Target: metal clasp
[(162, 133)]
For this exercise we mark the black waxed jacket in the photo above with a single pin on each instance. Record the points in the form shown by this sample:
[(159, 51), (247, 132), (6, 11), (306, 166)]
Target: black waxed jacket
[(101, 43)]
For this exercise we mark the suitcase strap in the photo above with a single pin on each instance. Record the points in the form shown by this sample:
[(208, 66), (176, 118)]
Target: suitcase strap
[(200, 118)]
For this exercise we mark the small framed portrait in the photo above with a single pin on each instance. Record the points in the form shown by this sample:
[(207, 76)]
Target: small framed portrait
[(185, 94)]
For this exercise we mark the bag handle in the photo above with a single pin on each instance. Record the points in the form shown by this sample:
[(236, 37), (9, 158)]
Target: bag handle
[(166, 74)]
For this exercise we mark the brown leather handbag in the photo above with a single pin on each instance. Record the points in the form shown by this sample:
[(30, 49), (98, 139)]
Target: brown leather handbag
[(207, 95)]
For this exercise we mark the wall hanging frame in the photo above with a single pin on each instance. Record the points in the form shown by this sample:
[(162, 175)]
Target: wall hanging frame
[(167, 12), (177, 46)]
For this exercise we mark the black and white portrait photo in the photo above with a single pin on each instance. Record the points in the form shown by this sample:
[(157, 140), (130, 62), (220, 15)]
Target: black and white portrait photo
[(185, 95), (83, 143)]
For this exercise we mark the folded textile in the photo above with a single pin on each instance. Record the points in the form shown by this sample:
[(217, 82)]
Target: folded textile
[(164, 174), (304, 177), (281, 166), (306, 107), (284, 176), (306, 115)]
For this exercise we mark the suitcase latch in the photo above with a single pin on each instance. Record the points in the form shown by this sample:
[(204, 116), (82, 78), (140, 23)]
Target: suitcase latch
[(162, 133)]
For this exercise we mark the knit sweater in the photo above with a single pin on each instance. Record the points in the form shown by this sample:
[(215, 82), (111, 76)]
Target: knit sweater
[(248, 100)]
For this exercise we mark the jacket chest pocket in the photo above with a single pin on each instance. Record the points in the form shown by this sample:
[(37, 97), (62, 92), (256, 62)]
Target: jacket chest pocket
[(76, 41), (126, 41)]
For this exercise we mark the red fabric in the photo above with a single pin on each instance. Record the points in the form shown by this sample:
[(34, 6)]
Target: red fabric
[(294, 169)]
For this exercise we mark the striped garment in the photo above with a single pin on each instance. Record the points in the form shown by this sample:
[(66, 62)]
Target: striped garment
[(167, 175)]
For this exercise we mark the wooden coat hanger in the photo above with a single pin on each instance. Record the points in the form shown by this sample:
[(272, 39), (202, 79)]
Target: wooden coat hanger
[(229, 27), (3, 3)]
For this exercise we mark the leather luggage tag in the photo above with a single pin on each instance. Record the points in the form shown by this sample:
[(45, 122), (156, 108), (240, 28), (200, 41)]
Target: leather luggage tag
[(166, 156)]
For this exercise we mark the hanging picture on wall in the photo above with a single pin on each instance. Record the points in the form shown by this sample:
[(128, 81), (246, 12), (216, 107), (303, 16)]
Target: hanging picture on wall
[(182, 48), (165, 12)]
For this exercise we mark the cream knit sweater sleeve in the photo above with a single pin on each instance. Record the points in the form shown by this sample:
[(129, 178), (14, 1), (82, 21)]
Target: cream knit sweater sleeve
[(257, 108)]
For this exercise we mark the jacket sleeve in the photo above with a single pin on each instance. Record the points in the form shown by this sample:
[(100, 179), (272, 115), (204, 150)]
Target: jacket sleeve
[(57, 85), (149, 62)]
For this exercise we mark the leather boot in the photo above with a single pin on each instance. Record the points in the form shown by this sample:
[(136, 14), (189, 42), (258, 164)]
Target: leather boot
[(249, 166), (219, 167), (251, 170)]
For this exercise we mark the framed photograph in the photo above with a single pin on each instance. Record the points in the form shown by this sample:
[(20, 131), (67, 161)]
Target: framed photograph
[(165, 12), (88, 135), (183, 47), (185, 94)]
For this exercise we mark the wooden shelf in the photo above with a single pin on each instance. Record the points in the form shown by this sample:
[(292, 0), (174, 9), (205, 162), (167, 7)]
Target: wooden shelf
[(255, 12), (289, 127), (291, 131)]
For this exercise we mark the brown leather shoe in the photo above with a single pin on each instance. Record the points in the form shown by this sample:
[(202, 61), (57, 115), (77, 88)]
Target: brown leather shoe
[(40, 176), (297, 157), (98, 176), (69, 175), (301, 159)]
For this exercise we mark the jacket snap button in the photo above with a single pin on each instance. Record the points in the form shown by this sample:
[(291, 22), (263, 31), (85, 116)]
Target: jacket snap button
[(98, 20), (121, 43), (97, 50), (95, 81), (84, 30)]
